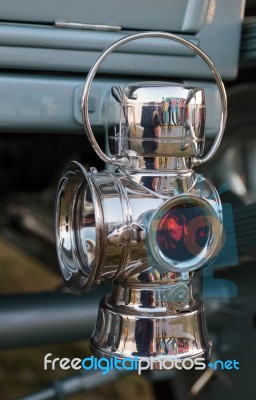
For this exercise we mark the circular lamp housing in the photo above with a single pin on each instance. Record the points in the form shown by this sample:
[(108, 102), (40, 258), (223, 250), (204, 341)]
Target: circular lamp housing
[(184, 234), (78, 228)]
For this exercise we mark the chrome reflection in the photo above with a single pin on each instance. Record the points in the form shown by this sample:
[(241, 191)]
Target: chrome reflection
[(76, 211), (118, 227), (86, 225), (147, 327), (184, 233), (160, 120), (147, 227)]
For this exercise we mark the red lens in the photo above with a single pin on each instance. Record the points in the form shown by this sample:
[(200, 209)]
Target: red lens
[(183, 232)]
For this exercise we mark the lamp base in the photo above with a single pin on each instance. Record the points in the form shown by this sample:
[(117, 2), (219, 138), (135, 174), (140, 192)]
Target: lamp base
[(138, 322)]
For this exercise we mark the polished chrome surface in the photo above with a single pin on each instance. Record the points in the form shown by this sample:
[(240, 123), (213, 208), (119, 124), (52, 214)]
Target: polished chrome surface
[(149, 225), (145, 322), (107, 225), (123, 161), (160, 120), (166, 166), (80, 25), (184, 234), (78, 210)]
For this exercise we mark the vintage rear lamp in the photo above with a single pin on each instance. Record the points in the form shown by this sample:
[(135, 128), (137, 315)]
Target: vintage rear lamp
[(148, 226)]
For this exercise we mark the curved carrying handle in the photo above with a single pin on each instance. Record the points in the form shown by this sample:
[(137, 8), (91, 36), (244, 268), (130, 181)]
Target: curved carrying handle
[(123, 161)]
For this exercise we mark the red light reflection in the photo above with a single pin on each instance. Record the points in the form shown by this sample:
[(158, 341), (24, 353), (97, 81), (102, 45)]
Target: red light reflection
[(183, 232)]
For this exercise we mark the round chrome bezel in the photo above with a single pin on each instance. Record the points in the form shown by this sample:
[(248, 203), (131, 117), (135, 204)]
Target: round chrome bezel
[(77, 271), (208, 253)]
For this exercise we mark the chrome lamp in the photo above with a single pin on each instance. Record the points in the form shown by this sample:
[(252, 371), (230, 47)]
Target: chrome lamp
[(149, 225)]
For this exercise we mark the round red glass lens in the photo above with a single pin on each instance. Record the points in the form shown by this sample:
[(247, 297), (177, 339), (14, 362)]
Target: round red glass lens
[(183, 232)]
